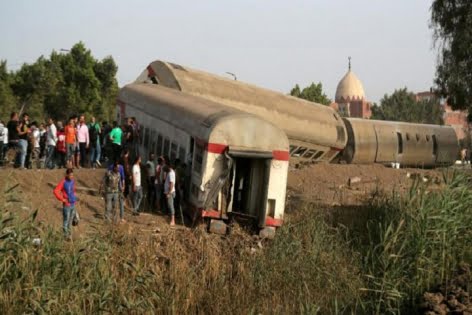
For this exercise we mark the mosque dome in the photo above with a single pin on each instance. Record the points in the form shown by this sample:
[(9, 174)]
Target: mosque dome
[(349, 88)]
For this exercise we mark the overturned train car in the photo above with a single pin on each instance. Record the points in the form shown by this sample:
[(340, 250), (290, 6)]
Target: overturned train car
[(316, 132), (237, 163), (414, 145)]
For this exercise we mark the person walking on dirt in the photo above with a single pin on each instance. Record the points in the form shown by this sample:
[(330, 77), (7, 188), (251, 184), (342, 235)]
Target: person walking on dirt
[(65, 192), (111, 181), (169, 191), (137, 188), (51, 142)]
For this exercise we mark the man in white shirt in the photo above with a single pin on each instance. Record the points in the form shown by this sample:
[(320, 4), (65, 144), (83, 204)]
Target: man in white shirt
[(137, 188), (169, 191), (5, 145), (51, 141), (35, 135)]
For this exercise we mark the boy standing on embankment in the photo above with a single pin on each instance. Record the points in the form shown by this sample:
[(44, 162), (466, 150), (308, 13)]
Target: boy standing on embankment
[(65, 192)]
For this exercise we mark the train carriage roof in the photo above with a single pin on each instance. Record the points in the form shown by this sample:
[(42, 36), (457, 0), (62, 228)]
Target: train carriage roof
[(203, 118), (297, 117)]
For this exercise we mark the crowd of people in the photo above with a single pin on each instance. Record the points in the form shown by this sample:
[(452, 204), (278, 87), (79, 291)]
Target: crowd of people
[(81, 144)]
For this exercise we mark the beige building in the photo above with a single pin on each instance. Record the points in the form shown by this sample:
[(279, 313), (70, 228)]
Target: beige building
[(350, 100)]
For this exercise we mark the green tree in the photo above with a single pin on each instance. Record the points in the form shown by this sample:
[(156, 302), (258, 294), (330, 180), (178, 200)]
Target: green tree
[(312, 93), (451, 21), (8, 102), (402, 105)]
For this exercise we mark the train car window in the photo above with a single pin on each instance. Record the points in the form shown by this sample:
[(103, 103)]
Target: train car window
[(435, 145), (146, 137), (182, 154), (159, 145), (417, 137), (400, 142), (154, 80), (341, 134), (309, 153), (198, 158), (318, 155), (165, 151), (292, 149), (173, 151), (299, 151), (407, 136)]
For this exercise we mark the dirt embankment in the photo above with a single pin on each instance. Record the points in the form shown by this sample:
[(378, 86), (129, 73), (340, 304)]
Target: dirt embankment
[(351, 185)]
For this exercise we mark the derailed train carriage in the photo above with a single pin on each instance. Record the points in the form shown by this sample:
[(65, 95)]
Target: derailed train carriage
[(414, 145), (316, 132), (238, 162)]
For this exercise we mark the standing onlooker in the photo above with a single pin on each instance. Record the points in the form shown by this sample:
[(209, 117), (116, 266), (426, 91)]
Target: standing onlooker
[(111, 181), (128, 174), (115, 137), (83, 139), (137, 188), (159, 183), (2, 132), (71, 138), (121, 171), (5, 144), (51, 142), (105, 142), (65, 192), (23, 132), (151, 176), (179, 184), (95, 148), (35, 146), (61, 149), (13, 135), (169, 191)]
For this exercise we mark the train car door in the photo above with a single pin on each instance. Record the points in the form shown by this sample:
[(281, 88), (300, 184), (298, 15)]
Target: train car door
[(250, 184)]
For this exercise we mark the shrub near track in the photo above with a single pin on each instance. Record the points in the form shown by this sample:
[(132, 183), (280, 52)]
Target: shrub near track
[(415, 243)]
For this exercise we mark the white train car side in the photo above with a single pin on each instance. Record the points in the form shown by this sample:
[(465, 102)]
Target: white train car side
[(238, 162)]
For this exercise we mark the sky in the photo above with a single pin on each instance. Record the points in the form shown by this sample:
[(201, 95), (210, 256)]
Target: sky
[(273, 44)]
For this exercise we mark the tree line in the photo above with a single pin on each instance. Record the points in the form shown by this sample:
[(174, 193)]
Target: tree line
[(60, 86)]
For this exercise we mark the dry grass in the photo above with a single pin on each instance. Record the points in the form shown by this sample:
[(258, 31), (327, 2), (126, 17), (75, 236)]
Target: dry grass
[(405, 246)]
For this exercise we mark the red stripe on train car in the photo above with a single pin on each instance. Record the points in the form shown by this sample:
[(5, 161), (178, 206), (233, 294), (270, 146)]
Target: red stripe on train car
[(210, 214), (151, 72), (336, 149), (216, 148), (273, 222), (281, 155)]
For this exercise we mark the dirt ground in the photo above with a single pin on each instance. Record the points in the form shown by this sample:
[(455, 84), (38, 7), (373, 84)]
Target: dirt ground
[(324, 184)]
